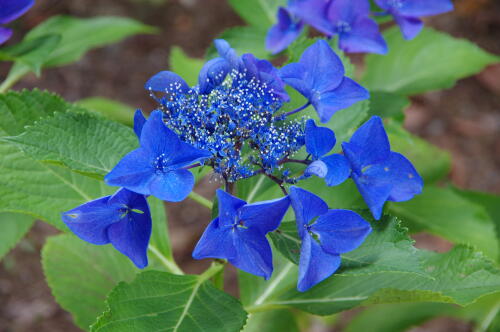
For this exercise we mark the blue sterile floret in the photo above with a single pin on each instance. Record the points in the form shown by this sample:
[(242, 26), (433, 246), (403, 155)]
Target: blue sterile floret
[(407, 13), (157, 166), (123, 219), (320, 77), (9, 11), (239, 233), (334, 168), (325, 235), (380, 174)]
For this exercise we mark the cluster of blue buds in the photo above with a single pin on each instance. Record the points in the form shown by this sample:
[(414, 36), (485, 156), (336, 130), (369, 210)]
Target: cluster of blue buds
[(233, 121), (351, 21)]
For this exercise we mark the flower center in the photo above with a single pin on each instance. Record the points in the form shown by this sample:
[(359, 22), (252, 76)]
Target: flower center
[(343, 27), (161, 164), (396, 4)]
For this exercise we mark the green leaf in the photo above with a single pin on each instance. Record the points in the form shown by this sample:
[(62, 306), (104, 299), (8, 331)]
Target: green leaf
[(14, 227), (388, 105), (185, 66), (33, 53), (81, 275), (431, 61), (431, 162), (442, 212), (110, 109), (160, 301), (247, 39), (272, 321), (83, 142), (490, 202), (258, 13)]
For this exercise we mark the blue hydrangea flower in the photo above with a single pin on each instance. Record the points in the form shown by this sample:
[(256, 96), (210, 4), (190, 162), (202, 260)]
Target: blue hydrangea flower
[(325, 234), (284, 32), (312, 12), (139, 121), (380, 174), (357, 32), (334, 168), (239, 233), (407, 13), (122, 219), (9, 11), (319, 76), (157, 166)]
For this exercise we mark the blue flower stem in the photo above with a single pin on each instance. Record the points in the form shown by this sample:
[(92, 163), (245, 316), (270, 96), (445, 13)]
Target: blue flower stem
[(216, 267), (201, 200), (168, 263), (192, 166), (219, 280), (297, 110)]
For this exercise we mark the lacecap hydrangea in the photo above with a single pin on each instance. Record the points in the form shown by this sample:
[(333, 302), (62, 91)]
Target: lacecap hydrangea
[(234, 121)]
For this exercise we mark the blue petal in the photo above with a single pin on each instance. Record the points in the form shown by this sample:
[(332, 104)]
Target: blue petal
[(294, 74), (228, 207), (131, 235), (139, 121), (228, 53), (5, 34), (216, 242), (306, 206), (417, 8), (338, 169), (167, 81), (324, 68), (265, 216), (319, 140), (368, 145), (348, 10), (157, 139), (345, 95), (341, 231), (134, 172), (313, 12), (173, 186), (315, 264), (212, 74), (253, 252), (282, 33), (12, 9), (318, 168), (187, 155), (363, 37), (410, 26), (90, 221), (374, 192)]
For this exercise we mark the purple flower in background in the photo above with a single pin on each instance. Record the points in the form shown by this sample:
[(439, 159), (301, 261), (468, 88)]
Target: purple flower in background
[(334, 168), (357, 31), (407, 13), (325, 235), (380, 174), (319, 76), (157, 167), (284, 32), (239, 233), (312, 12), (9, 11), (122, 219)]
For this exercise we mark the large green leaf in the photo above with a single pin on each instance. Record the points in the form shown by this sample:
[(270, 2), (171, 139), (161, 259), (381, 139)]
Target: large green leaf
[(432, 61), (388, 105), (185, 66), (81, 275), (443, 212), (14, 227), (81, 141), (160, 301), (259, 13), (272, 321), (110, 109)]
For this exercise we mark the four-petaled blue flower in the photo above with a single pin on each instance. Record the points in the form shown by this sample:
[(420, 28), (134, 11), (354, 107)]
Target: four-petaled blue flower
[(9, 11), (325, 235), (380, 174), (239, 233), (334, 168), (122, 219), (407, 13), (358, 33), (157, 166), (319, 76), (284, 32)]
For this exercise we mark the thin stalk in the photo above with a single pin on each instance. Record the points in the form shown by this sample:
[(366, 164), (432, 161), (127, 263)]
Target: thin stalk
[(201, 200), (11, 80), (168, 263), (298, 109), (216, 267)]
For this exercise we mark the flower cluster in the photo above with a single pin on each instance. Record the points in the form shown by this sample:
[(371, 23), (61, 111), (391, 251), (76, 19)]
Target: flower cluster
[(351, 21), (233, 121), (9, 11)]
